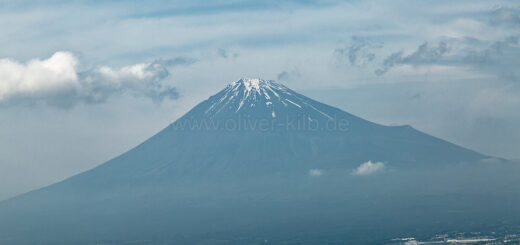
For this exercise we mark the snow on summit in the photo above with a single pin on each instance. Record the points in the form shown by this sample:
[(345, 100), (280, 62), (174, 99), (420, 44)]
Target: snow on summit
[(262, 98), (257, 85), (251, 83)]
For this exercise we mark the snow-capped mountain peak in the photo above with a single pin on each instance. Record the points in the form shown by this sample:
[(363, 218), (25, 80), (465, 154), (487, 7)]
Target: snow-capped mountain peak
[(249, 84), (264, 98), (257, 85)]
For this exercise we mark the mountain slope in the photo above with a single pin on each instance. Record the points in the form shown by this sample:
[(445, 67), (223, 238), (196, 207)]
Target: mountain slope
[(256, 127), (266, 122), (248, 150)]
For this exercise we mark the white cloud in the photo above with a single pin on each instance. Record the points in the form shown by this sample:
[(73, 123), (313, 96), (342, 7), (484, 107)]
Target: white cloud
[(369, 168), (315, 172), (38, 76), (57, 81)]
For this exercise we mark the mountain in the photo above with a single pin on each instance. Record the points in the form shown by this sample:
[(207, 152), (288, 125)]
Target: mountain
[(258, 161)]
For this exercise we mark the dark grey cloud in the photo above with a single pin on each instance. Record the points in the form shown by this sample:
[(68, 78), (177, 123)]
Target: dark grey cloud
[(359, 52), (500, 58), (288, 75), (424, 55), (178, 61), (226, 54)]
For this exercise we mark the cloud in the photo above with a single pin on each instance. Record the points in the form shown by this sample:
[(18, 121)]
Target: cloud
[(360, 52), (315, 172), (424, 55), (506, 15), (223, 53), (288, 75), (500, 58), (56, 81), (179, 61), (480, 57), (369, 168)]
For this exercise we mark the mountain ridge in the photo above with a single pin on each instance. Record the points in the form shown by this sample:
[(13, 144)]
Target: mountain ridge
[(356, 137)]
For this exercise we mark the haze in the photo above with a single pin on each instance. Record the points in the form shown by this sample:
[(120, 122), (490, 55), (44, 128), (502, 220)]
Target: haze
[(83, 81)]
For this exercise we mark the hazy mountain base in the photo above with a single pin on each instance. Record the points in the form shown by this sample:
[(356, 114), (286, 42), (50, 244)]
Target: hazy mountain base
[(336, 207)]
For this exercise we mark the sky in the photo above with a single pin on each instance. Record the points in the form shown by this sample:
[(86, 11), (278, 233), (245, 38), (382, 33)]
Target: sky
[(84, 81)]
